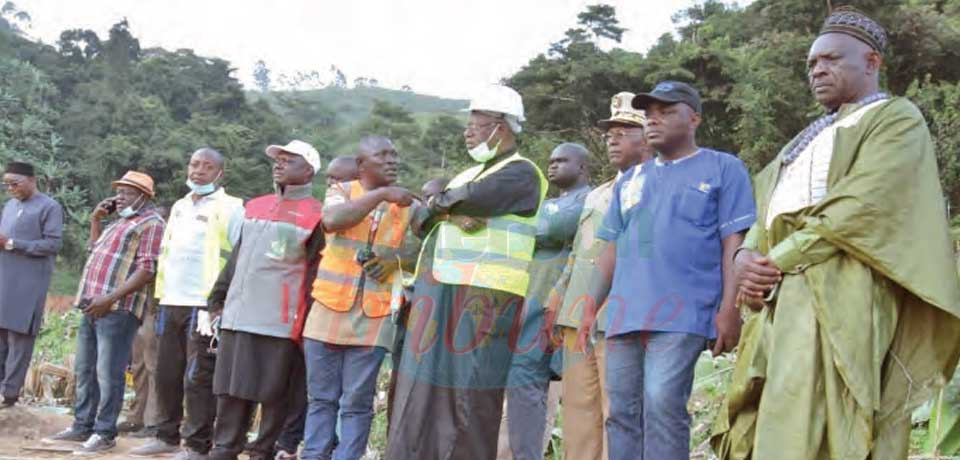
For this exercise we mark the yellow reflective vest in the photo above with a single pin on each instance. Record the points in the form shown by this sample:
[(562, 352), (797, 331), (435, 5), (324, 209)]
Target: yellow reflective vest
[(496, 257), (217, 245)]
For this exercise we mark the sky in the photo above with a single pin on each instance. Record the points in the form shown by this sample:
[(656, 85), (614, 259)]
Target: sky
[(442, 47)]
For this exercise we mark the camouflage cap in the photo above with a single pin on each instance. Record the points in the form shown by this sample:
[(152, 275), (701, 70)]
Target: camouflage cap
[(622, 112)]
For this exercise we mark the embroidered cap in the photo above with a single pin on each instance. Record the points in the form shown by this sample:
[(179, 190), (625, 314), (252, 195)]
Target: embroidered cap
[(850, 21)]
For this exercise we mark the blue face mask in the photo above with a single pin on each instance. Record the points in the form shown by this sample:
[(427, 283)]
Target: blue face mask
[(129, 211), (205, 189)]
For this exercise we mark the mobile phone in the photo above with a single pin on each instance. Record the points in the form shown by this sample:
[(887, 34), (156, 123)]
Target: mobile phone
[(83, 303), (111, 206)]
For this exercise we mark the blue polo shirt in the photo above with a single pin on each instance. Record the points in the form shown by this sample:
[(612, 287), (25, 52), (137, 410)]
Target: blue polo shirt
[(668, 220)]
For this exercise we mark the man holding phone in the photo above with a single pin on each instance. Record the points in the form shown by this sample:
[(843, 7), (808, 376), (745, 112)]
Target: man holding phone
[(115, 287)]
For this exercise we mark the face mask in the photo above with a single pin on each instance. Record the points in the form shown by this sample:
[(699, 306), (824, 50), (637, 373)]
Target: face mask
[(128, 211), (482, 153), (203, 189)]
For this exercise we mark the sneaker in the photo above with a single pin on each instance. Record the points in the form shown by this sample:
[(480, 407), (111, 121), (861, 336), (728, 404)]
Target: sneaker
[(285, 455), (190, 454), (129, 427), (145, 433), (95, 444), (68, 435), (155, 447)]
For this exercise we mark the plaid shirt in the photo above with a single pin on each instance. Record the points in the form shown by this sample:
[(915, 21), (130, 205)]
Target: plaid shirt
[(127, 245)]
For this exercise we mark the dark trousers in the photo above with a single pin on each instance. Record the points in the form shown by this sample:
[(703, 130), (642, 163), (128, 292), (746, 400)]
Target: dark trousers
[(184, 379), (278, 419), (16, 349), (292, 434), (234, 418)]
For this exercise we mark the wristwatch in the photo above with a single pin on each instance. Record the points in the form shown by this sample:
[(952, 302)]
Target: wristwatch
[(9, 245)]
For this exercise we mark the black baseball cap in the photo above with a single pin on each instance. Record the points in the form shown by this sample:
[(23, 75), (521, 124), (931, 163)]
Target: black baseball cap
[(669, 92)]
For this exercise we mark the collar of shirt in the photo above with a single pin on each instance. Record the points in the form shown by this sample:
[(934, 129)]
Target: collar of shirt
[(295, 192), (574, 191), (660, 162), (210, 196)]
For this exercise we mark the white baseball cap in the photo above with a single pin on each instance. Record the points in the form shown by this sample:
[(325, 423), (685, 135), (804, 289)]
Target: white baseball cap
[(298, 147)]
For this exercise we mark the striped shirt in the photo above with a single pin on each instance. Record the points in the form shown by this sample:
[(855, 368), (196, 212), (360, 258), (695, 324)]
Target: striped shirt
[(127, 245)]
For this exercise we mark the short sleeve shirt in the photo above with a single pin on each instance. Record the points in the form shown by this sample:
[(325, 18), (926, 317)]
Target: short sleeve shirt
[(668, 274)]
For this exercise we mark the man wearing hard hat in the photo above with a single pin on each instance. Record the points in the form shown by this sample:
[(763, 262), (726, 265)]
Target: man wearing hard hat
[(471, 279)]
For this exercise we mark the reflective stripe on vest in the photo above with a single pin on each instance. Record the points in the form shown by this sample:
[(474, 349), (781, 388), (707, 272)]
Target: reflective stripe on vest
[(216, 245), (338, 276), (497, 257)]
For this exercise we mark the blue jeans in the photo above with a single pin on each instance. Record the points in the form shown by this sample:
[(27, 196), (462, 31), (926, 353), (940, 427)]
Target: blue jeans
[(339, 379), (649, 379), (103, 351)]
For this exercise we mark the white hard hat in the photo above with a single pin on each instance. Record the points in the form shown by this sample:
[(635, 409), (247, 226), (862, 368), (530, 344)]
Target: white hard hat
[(500, 99), (298, 147)]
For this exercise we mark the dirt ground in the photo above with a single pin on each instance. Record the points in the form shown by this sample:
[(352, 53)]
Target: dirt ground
[(22, 427)]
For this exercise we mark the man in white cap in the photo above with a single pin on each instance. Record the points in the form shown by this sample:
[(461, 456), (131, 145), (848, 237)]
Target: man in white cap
[(471, 279), (262, 296)]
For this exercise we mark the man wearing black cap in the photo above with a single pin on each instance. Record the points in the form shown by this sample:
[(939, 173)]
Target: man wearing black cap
[(673, 226), (856, 317), (30, 237)]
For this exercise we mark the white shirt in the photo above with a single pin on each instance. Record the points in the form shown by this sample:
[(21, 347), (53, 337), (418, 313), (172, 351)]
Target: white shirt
[(183, 270), (803, 182)]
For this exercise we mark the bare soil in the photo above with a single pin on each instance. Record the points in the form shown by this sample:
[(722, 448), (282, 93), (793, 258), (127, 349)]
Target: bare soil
[(22, 427)]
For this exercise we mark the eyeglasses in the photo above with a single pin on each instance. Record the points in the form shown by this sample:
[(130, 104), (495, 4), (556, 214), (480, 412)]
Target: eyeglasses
[(473, 127), (617, 135), (12, 184)]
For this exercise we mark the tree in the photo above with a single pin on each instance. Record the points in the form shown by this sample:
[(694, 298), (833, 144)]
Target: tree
[(14, 19), (601, 21), (339, 79), (261, 76)]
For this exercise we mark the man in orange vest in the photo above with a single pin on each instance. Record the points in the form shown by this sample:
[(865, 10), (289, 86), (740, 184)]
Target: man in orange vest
[(348, 330)]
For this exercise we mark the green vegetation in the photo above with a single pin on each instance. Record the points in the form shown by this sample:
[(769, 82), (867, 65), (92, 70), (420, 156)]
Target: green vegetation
[(351, 105), (92, 107), (64, 281)]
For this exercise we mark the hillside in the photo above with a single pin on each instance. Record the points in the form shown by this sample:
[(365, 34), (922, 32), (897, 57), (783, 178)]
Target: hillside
[(352, 105)]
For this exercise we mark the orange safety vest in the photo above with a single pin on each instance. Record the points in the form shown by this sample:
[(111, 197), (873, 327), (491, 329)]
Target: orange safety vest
[(338, 278)]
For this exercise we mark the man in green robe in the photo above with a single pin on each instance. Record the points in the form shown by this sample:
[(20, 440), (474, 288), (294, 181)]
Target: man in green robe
[(848, 271)]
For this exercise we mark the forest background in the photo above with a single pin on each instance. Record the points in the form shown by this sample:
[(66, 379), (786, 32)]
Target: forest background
[(89, 107)]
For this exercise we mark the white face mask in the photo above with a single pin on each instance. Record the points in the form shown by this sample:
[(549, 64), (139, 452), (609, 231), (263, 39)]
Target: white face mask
[(482, 153), (204, 189), (129, 211)]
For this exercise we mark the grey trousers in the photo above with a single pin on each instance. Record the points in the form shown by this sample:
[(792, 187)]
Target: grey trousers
[(143, 363), (16, 349)]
